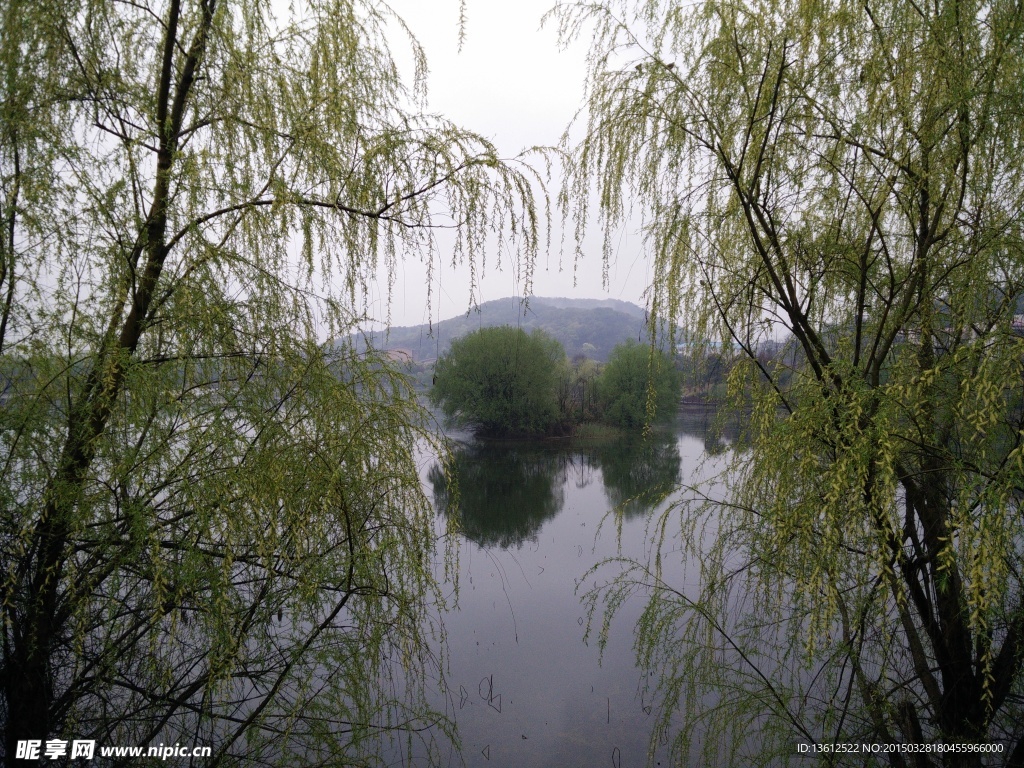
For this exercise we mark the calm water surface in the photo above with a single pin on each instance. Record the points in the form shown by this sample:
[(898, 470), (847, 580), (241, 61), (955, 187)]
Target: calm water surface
[(524, 688)]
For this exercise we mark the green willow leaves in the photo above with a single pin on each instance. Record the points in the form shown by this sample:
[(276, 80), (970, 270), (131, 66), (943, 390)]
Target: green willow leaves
[(211, 524), (839, 178)]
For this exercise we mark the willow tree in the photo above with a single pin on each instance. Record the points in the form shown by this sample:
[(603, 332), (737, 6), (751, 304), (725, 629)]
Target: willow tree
[(212, 531), (840, 177)]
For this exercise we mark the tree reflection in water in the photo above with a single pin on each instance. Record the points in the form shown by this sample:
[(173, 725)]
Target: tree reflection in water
[(717, 428), (638, 472), (506, 492)]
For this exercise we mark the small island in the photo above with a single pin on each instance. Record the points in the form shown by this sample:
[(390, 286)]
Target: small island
[(504, 382)]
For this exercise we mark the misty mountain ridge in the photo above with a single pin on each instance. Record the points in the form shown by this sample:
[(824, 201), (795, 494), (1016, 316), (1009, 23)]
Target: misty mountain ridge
[(589, 327)]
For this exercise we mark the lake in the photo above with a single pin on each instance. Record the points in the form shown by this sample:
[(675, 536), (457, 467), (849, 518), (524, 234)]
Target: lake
[(524, 688)]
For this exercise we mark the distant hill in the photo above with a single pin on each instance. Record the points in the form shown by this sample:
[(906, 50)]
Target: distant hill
[(590, 327)]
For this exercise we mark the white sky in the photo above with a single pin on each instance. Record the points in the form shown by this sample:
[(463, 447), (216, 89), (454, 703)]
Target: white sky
[(512, 84)]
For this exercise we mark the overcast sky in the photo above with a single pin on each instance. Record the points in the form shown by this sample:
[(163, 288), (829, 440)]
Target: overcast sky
[(512, 84)]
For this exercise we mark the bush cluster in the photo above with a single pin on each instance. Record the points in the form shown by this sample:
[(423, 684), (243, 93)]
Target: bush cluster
[(502, 381)]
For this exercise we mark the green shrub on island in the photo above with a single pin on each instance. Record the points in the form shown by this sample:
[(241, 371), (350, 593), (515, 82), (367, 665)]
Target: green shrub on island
[(638, 386), (501, 381)]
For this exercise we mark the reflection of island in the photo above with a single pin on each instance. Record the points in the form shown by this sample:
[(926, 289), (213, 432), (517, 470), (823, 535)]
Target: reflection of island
[(717, 426), (638, 472), (505, 493)]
